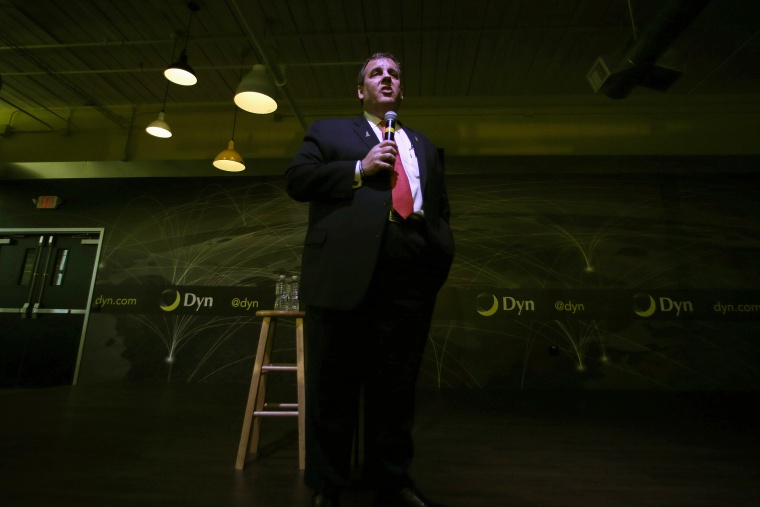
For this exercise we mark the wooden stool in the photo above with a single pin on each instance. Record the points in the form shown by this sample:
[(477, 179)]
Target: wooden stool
[(256, 407)]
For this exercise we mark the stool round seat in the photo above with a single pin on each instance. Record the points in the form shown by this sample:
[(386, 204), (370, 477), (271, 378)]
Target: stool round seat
[(281, 313)]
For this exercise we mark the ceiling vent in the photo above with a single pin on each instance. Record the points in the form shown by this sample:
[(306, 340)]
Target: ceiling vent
[(616, 76)]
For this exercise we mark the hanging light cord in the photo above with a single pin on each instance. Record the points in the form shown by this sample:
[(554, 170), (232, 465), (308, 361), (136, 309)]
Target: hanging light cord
[(166, 89), (166, 94), (193, 9), (174, 49), (234, 116), (234, 120)]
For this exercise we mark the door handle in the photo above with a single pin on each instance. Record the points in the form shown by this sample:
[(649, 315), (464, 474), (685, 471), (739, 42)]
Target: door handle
[(66, 311), (35, 274), (45, 273)]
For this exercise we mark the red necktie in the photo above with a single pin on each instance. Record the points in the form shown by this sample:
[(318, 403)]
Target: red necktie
[(402, 191)]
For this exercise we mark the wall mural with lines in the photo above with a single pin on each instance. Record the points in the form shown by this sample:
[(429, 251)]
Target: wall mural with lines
[(583, 281)]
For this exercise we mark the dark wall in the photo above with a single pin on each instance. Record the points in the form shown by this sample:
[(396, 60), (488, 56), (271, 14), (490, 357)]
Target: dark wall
[(589, 280)]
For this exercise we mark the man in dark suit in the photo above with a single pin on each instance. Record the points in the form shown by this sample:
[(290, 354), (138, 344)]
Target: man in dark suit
[(369, 279)]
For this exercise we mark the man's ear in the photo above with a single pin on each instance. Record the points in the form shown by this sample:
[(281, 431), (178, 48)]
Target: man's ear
[(360, 92)]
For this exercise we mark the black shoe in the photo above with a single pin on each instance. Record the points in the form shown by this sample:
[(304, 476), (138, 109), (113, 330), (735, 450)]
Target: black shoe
[(405, 497), (324, 499)]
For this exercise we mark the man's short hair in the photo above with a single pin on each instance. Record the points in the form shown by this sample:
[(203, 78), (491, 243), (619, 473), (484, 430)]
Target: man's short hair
[(376, 56)]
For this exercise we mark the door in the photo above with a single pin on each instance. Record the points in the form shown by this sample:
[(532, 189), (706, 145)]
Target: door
[(46, 283)]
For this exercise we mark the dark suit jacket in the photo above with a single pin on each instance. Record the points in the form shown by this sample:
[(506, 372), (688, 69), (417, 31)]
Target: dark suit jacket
[(346, 225)]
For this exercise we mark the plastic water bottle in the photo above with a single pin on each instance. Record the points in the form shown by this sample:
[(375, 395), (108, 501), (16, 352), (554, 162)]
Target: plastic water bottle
[(293, 294), (280, 294)]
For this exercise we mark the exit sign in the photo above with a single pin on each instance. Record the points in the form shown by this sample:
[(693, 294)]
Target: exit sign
[(48, 201)]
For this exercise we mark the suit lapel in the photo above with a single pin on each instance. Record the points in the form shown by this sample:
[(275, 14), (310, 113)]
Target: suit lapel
[(365, 132)]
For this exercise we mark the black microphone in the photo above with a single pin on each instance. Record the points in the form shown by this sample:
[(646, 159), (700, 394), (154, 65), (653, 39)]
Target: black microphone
[(390, 126)]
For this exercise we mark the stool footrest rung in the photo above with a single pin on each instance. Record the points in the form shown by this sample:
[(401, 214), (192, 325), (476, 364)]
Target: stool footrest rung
[(271, 413), (280, 405), (279, 367)]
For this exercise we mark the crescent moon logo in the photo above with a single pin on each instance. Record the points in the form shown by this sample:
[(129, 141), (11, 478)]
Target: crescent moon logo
[(490, 311), (649, 311), (167, 295)]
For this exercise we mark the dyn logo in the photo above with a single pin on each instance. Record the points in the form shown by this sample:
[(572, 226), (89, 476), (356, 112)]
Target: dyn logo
[(171, 299), (645, 305), (488, 304)]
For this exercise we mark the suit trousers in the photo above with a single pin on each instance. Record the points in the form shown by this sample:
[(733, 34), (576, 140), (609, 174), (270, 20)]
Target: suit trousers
[(378, 347)]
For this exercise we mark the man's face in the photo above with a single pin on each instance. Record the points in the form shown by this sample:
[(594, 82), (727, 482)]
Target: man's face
[(382, 90)]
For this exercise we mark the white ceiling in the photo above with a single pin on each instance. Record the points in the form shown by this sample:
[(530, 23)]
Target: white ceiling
[(484, 78)]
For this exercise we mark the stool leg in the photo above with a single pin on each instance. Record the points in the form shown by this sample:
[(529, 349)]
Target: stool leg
[(252, 395), (300, 372), (261, 399)]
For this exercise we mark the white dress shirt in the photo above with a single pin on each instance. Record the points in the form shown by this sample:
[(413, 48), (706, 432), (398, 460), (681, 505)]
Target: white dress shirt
[(408, 159)]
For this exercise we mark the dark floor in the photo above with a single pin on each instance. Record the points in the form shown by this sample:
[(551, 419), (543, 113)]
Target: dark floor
[(175, 445)]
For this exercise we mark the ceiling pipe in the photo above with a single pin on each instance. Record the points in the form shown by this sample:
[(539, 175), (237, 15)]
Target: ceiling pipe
[(119, 43), (144, 70), (84, 96), (274, 69), (611, 29), (646, 60), (21, 110)]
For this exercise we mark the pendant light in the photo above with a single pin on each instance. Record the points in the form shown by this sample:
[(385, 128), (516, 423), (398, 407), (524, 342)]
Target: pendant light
[(229, 159), (159, 127), (256, 93), (180, 71)]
